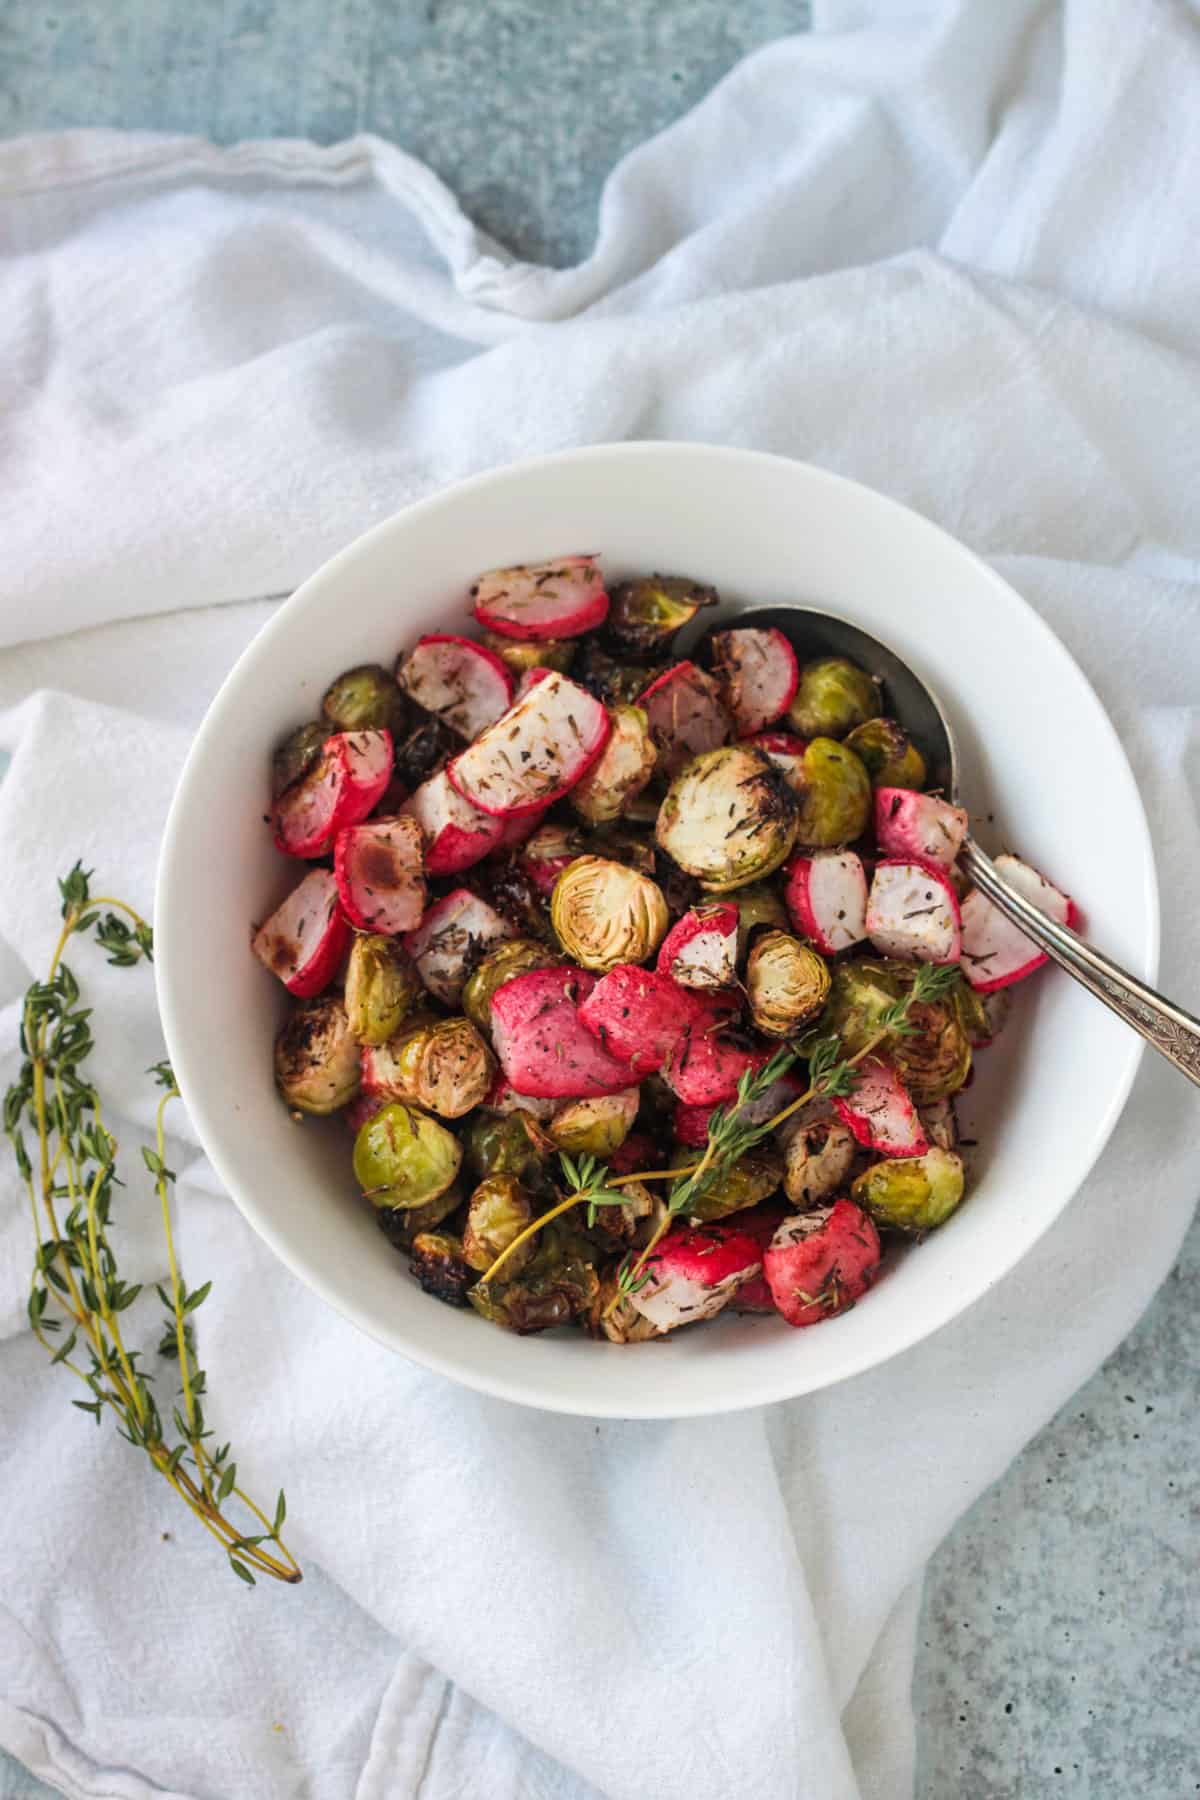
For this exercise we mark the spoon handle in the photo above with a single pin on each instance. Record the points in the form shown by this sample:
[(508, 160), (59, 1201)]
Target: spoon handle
[(1174, 1033)]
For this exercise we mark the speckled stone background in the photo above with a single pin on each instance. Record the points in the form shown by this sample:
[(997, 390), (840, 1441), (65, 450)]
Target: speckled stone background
[(1058, 1655)]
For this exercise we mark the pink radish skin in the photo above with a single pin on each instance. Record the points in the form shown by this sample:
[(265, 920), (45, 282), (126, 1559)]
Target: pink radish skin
[(638, 1151), (913, 913), (918, 827), (518, 831), (535, 752), (529, 679), (761, 1223), (694, 1272), (364, 1107), (349, 777), (826, 898), (758, 675), (700, 950), (705, 1069), (995, 953), (455, 932), (685, 715), (786, 751), (456, 833), (306, 939), (639, 1015), (690, 1123), (547, 852), (880, 1113), (457, 680), (543, 1046), (542, 600), (380, 875), (819, 1263)]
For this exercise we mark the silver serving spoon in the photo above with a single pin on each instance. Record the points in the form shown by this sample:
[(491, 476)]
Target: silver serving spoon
[(1174, 1033)]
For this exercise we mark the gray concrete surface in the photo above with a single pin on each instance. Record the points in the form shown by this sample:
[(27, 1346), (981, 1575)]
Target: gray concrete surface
[(1055, 1637)]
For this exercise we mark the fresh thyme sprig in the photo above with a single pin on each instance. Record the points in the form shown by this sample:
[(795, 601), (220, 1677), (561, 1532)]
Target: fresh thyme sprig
[(588, 1185), (831, 1075), (75, 1280)]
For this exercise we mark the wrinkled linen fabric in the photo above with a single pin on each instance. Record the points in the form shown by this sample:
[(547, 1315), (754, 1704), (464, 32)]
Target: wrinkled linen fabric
[(947, 249)]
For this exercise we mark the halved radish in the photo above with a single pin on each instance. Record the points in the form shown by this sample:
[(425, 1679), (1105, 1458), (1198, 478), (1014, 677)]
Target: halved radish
[(826, 897), (370, 758), (690, 1123), (758, 674), (913, 914), (543, 1045), (380, 874), (457, 680), (639, 1015), (455, 932), (519, 829), (700, 950), (694, 1272), (819, 1263), (456, 833), (542, 600), (305, 939), (686, 716), (918, 827), (880, 1113), (535, 752), (341, 787), (786, 751), (548, 851), (704, 1069), (995, 952)]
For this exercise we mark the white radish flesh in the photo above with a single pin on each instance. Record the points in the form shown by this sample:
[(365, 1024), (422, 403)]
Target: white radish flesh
[(912, 913), (380, 875), (535, 752), (686, 716), (995, 952), (880, 1113), (542, 600), (918, 826), (451, 938), (758, 675), (457, 680), (456, 833), (826, 897), (305, 939)]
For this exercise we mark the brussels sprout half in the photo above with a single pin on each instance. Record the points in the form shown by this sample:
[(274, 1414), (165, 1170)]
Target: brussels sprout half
[(888, 754), (382, 988), (729, 818), (403, 1158), (502, 1146), (787, 984), (446, 1067), (622, 769), (644, 615), (595, 1127), (912, 1193), (832, 697), (297, 755), (557, 1286), (521, 655), (498, 1213), (440, 1267), (317, 1066), (747, 1182), (605, 914)]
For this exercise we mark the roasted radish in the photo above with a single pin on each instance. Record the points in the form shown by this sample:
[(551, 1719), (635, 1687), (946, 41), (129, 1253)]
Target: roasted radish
[(705, 1067), (340, 788), (912, 913), (305, 939), (639, 1016), (880, 1113), (918, 827), (757, 673), (995, 953), (543, 1045), (826, 896), (542, 600), (786, 751), (454, 935), (700, 950), (456, 833), (535, 752), (694, 1272), (458, 681), (819, 1263), (686, 716), (380, 875)]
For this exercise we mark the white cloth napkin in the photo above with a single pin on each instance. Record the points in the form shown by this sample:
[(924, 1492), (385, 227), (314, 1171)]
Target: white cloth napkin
[(947, 249)]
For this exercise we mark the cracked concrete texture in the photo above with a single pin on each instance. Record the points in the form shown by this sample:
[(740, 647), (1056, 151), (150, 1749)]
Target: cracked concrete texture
[(1058, 1646)]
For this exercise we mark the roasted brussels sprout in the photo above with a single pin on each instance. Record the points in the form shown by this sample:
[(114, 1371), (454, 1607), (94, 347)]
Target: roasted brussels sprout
[(595, 1127), (557, 1286), (860, 990), (521, 656), (446, 1067), (757, 905), (616, 682), (401, 1228), (888, 754), (911, 1193), (787, 984), (982, 1015), (382, 988), (636, 849), (511, 891), (748, 1181), (620, 1324), (643, 616), (622, 769), (316, 1057), (502, 1146), (833, 696), (404, 1158), (365, 699), (419, 755), (817, 1161), (728, 818), (438, 1263), (515, 956), (940, 1122), (605, 914), (834, 795), (499, 1211), (934, 1056), (296, 755)]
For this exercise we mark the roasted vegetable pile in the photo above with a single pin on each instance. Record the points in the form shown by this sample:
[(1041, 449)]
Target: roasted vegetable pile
[(645, 984)]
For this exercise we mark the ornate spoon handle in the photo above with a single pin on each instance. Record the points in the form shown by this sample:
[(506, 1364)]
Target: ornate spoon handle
[(1174, 1033)]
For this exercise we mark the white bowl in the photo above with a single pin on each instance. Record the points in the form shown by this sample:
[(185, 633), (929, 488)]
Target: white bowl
[(1037, 750)]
